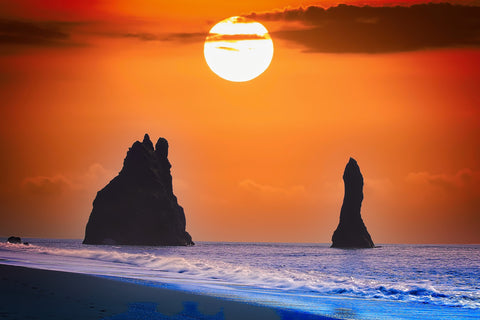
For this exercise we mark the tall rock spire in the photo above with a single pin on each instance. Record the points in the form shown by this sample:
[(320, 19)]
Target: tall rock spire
[(138, 206), (351, 231)]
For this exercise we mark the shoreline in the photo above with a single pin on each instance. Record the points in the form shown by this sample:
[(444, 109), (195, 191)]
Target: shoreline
[(211, 273), (28, 293)]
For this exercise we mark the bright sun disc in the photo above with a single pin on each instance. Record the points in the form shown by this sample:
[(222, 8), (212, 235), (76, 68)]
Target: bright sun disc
[(238, 49)]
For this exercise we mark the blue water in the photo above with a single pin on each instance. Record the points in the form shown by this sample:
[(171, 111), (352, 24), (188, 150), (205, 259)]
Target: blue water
[(390, 282)]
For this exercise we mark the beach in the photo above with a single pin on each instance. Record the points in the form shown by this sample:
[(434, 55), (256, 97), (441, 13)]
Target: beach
[(63, 279), (43, 294)]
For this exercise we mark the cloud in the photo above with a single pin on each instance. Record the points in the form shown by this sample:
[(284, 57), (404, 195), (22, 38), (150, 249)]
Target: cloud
[(254, 187), (185, 37), (144, 36), (189, 37), (379, 187), (22, 33), (351, 29), (46, 185), (212, 37), (451, 198), (94, 178), (52, 34), (227, 48), (463, 179), (173, 37)]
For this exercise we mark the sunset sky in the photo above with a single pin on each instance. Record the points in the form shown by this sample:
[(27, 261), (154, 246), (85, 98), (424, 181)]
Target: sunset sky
[(261, 160)]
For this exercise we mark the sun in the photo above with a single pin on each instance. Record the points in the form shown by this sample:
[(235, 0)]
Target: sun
[(238, 49)]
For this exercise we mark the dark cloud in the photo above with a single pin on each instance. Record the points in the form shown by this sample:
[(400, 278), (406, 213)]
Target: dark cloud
[(177, 37), (144, 36), (186, 37), (13, 32), (351, 29), (212, 37)]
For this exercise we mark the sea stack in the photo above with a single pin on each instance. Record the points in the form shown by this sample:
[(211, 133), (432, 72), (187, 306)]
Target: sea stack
[(14, 240), (138, 206), (351, 231)]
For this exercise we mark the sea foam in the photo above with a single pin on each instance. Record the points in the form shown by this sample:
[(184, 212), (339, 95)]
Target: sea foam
[(297, 275)]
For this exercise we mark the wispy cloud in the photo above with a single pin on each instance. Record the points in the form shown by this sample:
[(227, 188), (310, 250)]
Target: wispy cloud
[(16, 32), (255, 187), (95, 177), (227, 48), (212, 37), (21, 33), (462, 180), (174, 37), (42, 185)]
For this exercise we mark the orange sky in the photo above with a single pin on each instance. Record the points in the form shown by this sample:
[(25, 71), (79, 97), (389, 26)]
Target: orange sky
[(254, 161)]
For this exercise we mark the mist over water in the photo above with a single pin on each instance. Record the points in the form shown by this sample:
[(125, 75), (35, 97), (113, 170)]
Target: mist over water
[(443, 279)]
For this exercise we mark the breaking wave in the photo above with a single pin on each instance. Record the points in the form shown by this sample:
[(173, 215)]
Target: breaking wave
[(150, 264)]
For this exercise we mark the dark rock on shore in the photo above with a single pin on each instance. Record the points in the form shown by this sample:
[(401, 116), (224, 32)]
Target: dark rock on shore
[(138, 206), (15, 240), (351, 231)]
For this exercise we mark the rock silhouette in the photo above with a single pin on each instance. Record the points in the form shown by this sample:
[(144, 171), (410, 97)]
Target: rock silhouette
[(15, 240), (351, 231), (138, 206)]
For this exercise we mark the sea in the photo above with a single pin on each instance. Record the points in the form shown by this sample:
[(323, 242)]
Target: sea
[(392, 281)]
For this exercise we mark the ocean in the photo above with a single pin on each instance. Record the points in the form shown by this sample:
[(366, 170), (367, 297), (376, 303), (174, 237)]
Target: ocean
[(389, 282)]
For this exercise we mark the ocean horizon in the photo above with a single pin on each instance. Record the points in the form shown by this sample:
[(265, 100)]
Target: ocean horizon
[(392, 281)]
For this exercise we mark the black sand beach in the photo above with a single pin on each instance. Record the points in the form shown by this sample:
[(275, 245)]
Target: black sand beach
[(42, 294)]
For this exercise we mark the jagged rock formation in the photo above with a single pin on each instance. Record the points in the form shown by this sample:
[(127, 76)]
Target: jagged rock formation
[(351, 231), (138, 206), (15, 240)]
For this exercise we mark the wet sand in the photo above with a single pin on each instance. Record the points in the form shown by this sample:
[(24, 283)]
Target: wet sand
[(43, 294)]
